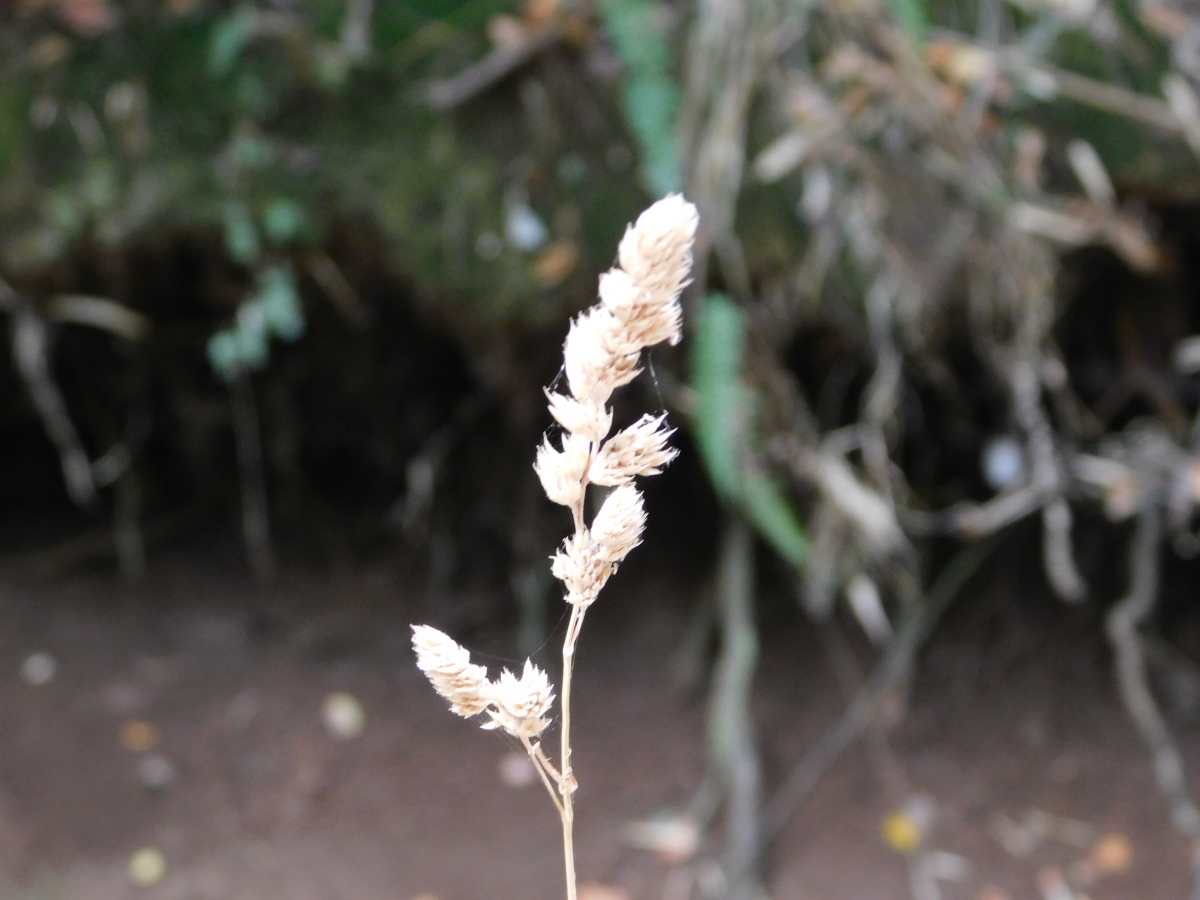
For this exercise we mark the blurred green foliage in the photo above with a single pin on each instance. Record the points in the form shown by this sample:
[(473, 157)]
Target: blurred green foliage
[(724, 430), (650, 94), (267, 124)]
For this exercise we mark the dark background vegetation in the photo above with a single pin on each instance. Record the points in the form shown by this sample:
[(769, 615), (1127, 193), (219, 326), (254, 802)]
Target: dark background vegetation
[(290, 277)]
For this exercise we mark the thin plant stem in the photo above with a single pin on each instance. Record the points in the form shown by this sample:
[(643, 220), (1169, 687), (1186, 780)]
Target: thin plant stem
[(540, 763), (547, 765), (639, 307), (567, 785), (732, 749)]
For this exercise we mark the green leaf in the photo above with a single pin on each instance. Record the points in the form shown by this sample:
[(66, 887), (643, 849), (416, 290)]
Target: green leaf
[(229, 38), (650, 96), (716, 377), (224, 355), (241, 237), (280, 303), (912, 18), (282, 220), (768, 507), (650, 105), (721, 401)]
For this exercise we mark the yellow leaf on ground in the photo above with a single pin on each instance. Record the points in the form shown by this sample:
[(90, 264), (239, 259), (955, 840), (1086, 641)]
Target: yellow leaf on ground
[(138, 736), (147, 867), (901, 832), (592, 890), (1113, 853)]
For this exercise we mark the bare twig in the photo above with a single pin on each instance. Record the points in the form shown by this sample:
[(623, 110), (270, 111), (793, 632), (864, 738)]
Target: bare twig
[(451, 92), (733, 751), (30, 344), (891, 674), (127, 532), (329, 275), (1122, 624)]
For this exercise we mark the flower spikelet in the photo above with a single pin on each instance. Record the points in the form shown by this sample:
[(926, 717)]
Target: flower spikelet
[(580, 566), (561, 471), (618, 526), (647, 317), (520, 705), (589, 419), (598, 356), (641, 449), (449, 669), (656, 252)]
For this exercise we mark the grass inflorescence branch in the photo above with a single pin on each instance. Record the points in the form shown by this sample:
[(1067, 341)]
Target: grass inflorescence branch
[(639, 307)]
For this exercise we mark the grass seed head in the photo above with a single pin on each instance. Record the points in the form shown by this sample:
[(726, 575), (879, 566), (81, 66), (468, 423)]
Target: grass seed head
[(561, 471), (586, 418), (618, 526), (581, 567), (597, 358), (449, 669), (656, 252), (641, 449), (520, 705)]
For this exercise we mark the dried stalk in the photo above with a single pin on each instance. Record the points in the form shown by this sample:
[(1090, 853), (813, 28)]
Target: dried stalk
[(31, 353), (891, 675), (733, 753), (127, 532), (478, 77), (639, 308), (1122, 625)]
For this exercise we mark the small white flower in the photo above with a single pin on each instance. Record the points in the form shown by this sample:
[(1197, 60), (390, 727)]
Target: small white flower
[(657, 253), (648, 316)]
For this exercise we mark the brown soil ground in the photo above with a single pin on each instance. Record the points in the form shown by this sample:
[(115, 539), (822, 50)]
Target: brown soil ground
[(1014, 711)]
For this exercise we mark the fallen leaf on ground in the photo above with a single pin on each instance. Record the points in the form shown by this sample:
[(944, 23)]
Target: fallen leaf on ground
[(147, 867), (592, 890), (38, 669), (1113, 853), (343, 715), (138, 736), (672, 836)]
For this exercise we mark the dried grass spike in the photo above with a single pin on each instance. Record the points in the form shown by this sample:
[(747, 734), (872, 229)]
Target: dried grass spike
[(618, 526), (641, 449), (520, 705), (591, 420), (657, 250), (648, 317), (596, 358), (580, 566), (561, 471), (449, 669)]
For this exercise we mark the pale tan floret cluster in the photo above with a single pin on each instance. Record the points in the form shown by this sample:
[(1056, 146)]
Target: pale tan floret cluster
[(517, 705), (639, 307), (520, 705)]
